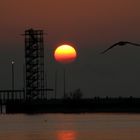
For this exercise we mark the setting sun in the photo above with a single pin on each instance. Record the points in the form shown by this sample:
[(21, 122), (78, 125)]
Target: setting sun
[(65, 54)]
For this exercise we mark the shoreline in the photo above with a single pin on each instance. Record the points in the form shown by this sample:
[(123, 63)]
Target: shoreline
[(100, 105)]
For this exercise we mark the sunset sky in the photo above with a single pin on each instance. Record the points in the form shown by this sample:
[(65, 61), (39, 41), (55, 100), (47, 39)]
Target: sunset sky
[(91, 26)]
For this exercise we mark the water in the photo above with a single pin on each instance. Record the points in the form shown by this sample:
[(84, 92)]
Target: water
[(70, 127)]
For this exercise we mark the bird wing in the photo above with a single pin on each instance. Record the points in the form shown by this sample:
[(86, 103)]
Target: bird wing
[(109, 48), (135, 44)]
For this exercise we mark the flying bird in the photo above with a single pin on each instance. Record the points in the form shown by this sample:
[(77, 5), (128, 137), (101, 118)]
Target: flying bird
[(121, 43)]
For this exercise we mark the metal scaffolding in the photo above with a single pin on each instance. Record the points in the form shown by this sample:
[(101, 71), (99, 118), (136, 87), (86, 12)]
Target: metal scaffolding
[(34, 60)]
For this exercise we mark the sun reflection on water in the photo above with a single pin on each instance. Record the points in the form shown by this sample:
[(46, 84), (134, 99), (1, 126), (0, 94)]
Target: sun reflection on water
[(66, 135)]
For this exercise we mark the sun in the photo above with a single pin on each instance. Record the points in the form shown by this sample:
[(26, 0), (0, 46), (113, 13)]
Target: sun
[(65, 54)]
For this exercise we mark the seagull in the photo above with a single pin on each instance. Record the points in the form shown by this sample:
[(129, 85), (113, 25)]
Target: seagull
[(121, 43)]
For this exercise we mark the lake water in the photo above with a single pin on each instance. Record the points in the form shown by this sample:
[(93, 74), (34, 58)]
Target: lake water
[(100, 126)]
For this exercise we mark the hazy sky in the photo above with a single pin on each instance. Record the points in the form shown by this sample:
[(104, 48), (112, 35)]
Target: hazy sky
[(92, 26)]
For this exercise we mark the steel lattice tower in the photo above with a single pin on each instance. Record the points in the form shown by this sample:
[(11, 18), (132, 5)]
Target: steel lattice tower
[(34, 60)]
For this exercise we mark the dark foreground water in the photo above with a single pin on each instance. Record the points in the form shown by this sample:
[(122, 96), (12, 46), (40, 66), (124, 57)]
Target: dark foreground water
[(70, 127)]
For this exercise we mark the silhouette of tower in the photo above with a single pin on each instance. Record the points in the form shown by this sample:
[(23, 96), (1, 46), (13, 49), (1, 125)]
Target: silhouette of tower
[(34, 61)]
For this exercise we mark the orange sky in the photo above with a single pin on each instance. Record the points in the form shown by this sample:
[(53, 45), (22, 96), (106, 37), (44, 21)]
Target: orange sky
[(81, 21)]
